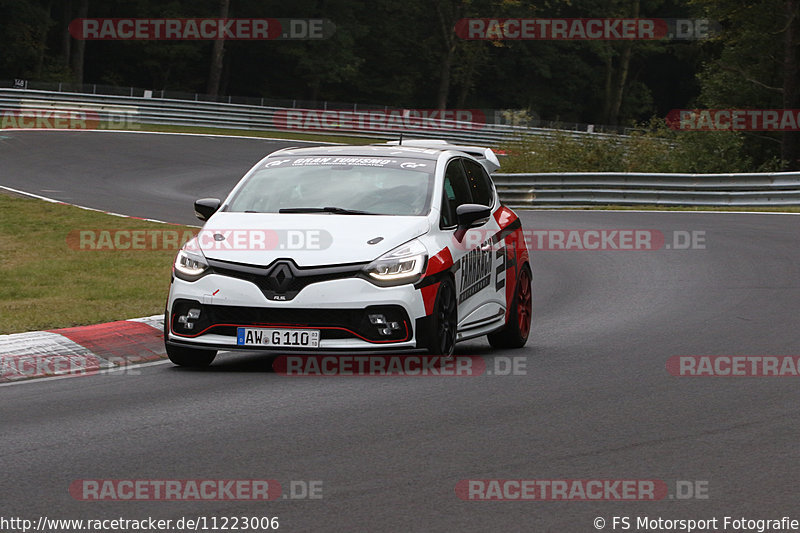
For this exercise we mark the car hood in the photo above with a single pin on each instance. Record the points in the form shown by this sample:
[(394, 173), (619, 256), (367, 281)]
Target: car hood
[(308, 239)]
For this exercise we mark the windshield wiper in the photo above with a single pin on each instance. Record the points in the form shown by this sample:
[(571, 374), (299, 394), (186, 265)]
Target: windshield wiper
[(334, 210)]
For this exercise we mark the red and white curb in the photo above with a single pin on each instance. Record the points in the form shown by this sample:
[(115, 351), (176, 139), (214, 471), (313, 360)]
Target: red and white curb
[(82, 350)]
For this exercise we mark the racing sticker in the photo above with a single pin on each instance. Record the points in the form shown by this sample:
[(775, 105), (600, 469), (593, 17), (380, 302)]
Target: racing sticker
[(500, 282), (360, 161), (475, 270)]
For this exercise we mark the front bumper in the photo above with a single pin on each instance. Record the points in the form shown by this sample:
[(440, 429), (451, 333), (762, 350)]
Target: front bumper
[(339, 308)]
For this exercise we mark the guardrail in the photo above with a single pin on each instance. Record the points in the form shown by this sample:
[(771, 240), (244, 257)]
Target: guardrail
[(377, 124), (518, 190), (607, 188), (520, 117)]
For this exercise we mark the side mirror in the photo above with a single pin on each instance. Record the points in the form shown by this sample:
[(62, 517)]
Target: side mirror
[(205, 207), (470, 216)]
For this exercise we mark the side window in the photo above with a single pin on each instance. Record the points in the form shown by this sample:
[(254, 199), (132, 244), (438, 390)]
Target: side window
[(479, 183), (455, 193)]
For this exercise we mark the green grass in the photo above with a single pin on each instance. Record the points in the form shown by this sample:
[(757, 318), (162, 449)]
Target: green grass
[(46, 283)]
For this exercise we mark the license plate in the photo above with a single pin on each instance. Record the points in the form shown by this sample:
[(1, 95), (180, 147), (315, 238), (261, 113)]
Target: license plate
[(306, 338)]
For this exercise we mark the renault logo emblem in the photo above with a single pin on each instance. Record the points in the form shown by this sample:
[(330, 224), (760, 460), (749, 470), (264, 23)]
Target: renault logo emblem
[(281, 277)]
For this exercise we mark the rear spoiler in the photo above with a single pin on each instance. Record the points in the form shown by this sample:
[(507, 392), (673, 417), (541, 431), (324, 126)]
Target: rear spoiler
[(485, 156)]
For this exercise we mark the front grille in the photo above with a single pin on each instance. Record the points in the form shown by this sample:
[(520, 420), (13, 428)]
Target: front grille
[(282, 280), (332, 323)]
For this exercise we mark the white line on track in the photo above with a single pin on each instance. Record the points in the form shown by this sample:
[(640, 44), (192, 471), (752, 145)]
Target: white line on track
[(54, 201)]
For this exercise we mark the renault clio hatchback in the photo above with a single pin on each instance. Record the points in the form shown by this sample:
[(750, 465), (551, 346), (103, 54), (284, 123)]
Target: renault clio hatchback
[(392, 246)]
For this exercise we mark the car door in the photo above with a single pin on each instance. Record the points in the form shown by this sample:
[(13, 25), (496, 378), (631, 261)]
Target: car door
[(474, 257)]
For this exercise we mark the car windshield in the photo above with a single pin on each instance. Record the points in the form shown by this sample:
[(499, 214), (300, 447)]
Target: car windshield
[(338, 184)]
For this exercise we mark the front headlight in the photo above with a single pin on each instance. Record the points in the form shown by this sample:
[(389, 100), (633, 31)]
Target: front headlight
[(190, 263), (404, 264)]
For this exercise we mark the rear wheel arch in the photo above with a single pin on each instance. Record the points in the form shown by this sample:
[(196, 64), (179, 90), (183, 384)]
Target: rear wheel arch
[(517, 328)]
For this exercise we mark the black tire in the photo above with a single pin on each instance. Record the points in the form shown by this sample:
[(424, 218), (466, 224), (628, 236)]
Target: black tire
[(515, 333), (443, 325), (191, 357)]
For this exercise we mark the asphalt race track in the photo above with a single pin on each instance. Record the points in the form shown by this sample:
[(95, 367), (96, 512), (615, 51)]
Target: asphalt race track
[(595, 400), (159, 174)]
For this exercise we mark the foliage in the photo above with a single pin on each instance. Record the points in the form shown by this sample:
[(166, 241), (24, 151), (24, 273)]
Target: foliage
[(406, 54), (653, 148)]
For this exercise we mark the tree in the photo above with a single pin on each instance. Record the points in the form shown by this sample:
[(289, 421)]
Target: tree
[(616, 81), (448, 12), (217, 54), (790, 141), (24, 25), (79, 50), (323, 64), (756, 66), (66, 38)]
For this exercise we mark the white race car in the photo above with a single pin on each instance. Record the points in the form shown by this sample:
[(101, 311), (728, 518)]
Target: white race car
[(393, 246)]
